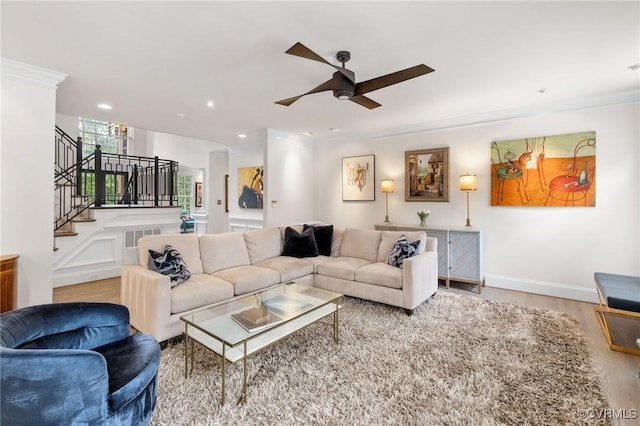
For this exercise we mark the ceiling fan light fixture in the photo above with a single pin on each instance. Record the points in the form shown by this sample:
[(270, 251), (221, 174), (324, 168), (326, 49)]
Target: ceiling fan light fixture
[(343, 95), (345, 89)]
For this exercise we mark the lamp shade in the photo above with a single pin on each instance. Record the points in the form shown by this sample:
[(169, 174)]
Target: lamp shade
[(387, 185), (468, 182)]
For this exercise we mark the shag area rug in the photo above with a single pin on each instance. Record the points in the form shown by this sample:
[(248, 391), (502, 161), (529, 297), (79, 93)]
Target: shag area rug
[(459, 360)]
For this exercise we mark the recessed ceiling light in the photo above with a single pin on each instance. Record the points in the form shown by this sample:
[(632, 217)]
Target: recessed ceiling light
[(242, 135), (179, 115), (541, 91), (634, 67), (307, 133), (210, 104), (104, 106)]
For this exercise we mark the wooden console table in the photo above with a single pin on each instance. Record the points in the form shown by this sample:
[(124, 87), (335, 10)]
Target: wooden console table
[(460, 252), (8, 280)]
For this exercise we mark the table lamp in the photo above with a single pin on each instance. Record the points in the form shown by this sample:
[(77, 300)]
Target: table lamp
[(468, 183), (386, 187)]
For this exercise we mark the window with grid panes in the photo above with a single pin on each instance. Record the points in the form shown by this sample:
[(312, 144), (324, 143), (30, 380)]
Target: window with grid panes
[(185, 193), (113, 138)]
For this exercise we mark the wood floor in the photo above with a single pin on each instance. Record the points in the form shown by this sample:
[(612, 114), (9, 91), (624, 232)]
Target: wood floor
[(620, 372)]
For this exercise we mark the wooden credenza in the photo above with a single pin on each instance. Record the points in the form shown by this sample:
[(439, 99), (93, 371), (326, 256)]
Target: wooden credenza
[(8, 281), (460, 252)]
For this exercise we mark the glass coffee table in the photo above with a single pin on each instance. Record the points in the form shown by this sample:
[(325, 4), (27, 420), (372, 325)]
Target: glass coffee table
[(237, 328)]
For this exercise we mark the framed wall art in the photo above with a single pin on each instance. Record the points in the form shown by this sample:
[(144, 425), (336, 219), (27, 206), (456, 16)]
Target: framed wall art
[(250, 187), (426, 175), (544, 171), (198, 200), (358, 178)]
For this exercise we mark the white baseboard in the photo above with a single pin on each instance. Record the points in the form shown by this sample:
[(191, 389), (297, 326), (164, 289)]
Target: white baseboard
[(564, 291), (76, 277)]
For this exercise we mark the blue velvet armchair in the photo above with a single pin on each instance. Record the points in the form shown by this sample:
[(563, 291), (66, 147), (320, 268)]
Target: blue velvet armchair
[(76, 363)]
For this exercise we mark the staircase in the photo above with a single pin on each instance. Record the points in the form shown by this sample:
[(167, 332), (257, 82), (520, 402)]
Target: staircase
[(100, 202), (82, 184), (70, 206)]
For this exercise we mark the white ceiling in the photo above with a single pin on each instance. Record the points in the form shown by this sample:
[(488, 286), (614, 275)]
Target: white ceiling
[(154, 60)]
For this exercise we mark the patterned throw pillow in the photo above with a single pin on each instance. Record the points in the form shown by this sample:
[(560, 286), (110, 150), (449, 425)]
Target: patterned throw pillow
[(402, 250), (169, 263)]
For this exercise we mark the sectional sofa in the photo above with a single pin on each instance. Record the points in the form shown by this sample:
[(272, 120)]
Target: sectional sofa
[(227, 265)]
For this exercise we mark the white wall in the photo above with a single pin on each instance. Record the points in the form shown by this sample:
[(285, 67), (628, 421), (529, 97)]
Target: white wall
[(26, 173), (69, 124), (190, 152), (218, 219), (548, 250), (289, 172), (288, 180)]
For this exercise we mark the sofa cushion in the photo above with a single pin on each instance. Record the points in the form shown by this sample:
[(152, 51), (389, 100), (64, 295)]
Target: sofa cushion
[(360, 243), (389, 238), (289, 268), (336, 243), (402, 249), (342, 267), (298, 244), (199, 290), (246, 279), (324, 237), (263, 244), (298, 228), (170, 263), (186, 244), (315, 261), (221, 251), (380, 274)]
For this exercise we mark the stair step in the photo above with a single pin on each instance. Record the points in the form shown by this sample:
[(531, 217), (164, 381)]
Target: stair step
[(64, 234), (82, 219)]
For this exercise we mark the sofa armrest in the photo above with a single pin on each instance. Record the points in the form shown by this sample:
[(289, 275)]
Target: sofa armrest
[(147, 294), (55, 386), (419, 278), (431, 244)]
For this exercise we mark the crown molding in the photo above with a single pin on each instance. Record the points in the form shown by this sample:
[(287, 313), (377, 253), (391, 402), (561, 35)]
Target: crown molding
[(631, 96), (30, 74)]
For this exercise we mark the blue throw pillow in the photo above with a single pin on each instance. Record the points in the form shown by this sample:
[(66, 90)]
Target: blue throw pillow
[(402, 250), (170, 263)]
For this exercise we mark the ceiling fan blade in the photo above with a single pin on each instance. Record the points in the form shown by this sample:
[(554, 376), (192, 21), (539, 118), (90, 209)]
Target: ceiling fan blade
[(364, 101), (393, 78), (288, 101), (327, 85), (303, 51)]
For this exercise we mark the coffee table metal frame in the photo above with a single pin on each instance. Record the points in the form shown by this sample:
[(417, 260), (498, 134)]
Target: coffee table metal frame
[(213, 327)]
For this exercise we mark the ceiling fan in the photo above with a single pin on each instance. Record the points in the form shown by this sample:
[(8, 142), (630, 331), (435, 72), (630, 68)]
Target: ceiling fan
[(343, 83)]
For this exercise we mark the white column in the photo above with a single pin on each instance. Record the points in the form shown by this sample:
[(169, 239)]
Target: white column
[(26, 175)]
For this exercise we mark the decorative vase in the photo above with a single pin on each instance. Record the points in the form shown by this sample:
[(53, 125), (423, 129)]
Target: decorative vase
[(423, 222)]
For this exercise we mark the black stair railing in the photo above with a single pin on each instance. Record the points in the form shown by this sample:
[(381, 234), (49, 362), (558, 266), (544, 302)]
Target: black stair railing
[(103, 179), (70, 199), (67, 151)]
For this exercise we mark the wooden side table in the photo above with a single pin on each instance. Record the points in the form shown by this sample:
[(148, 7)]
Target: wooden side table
[(8, 281)]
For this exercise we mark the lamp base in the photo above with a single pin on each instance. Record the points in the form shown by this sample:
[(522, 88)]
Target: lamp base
[(468, 225), (386, 219)]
